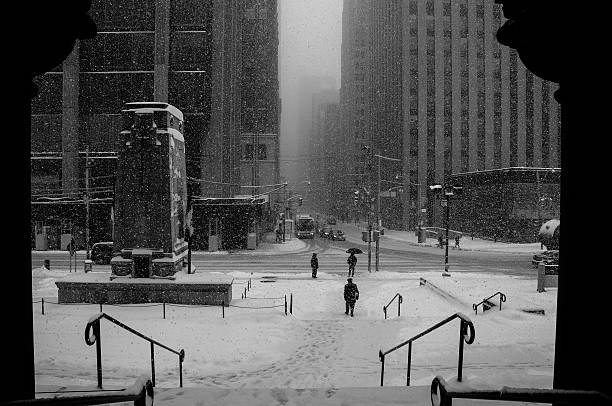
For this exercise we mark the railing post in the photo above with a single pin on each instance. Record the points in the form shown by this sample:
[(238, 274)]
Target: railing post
[(409, 362), (382, 369), (164, 319), (385, 311), (100, 307), (181, 358), (291, 304), (399, 302), (285, 305), (245, 293), (96, 330), (223, 308), (43, 306), (152, 363), (460, 363)]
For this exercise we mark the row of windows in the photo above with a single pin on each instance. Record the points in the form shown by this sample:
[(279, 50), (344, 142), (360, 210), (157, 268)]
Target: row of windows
[(135, 52), (139, 15)]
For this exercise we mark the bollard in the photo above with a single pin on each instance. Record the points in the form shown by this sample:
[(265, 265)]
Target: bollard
[(43, 305)]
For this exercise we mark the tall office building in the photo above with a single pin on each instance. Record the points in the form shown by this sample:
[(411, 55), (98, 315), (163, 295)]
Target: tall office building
[(467, 104), (193, 54), (325, 151)]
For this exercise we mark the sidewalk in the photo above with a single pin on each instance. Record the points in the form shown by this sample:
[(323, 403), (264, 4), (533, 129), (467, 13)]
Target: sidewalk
[(353, 234)]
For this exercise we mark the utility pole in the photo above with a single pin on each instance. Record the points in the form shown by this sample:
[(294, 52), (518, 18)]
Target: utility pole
[(87, 168)]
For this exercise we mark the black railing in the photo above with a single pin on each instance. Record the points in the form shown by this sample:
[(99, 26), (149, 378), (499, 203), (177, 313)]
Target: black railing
[(464, 336), (94, 323), (141, 392), (442, 394), (399, 302), (502, 298)]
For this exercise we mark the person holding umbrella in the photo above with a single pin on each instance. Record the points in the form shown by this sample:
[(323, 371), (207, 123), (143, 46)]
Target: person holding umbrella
[(352, 260)]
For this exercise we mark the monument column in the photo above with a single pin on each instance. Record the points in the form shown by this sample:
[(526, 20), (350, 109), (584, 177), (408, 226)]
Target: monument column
[(162, 50), (70, 122)]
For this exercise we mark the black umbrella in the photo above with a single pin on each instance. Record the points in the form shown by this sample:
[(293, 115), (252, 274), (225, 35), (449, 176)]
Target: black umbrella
[(354, 251)]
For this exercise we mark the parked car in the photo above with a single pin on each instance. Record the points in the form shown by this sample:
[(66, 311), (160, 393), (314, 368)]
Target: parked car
[(325, 232), (550, 257), (102, 252), (337, 235)]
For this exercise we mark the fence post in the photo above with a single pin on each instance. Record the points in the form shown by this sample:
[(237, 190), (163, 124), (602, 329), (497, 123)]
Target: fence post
[(43, 306), (291, 304), (164, 319), (285, 305), (223, 308)]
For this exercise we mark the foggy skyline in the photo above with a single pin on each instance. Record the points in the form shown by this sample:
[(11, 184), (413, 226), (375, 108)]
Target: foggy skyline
[(309, 46)]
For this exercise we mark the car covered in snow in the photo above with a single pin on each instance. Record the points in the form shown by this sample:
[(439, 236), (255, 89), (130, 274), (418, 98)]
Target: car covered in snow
[(102, 252), (550, 257), (337, 235)]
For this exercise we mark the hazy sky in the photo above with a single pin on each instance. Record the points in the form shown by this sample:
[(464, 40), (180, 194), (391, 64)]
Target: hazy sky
[(310, 39)]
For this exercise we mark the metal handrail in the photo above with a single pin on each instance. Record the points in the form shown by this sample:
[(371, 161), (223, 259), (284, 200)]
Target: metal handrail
[(399, 302), (90, 339), (467, 334), (442, 394), (502, 298)]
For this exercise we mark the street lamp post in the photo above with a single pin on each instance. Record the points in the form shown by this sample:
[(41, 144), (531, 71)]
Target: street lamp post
[(378, 218), (448, 191)]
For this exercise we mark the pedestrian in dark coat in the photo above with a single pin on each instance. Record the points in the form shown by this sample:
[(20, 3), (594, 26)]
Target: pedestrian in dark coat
[(352, 261), (314, 264), (351, 295), (440, 241)]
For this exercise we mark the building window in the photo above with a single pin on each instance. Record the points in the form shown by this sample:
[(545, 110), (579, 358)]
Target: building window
[(429, 8), (412, 7), (446, 10)]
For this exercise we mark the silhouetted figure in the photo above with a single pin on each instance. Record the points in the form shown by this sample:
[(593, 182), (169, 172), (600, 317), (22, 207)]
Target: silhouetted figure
[(351, 295), (314, 264)]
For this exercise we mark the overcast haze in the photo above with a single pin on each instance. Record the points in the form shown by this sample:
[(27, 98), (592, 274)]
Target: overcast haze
[(310, 40)]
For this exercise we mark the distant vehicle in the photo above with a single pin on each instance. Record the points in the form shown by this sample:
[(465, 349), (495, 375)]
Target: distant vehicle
[(331, 221), (305, 226), (325, 232), (550, 257), (337, 235), (102, 252)]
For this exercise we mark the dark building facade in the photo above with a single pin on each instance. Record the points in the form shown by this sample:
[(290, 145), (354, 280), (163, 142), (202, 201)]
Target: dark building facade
[(446, 96), (500, 204), (186, 53)]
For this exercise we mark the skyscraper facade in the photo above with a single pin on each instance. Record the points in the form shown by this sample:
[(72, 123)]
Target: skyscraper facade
[(460, 101)]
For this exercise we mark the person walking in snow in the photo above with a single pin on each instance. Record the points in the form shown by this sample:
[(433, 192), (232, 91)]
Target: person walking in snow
[(314, 264), (440, 240), (351, 295), (351, 261)]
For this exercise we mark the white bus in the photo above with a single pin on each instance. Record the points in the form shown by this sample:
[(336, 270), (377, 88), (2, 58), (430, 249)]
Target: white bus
[(305, 226)]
